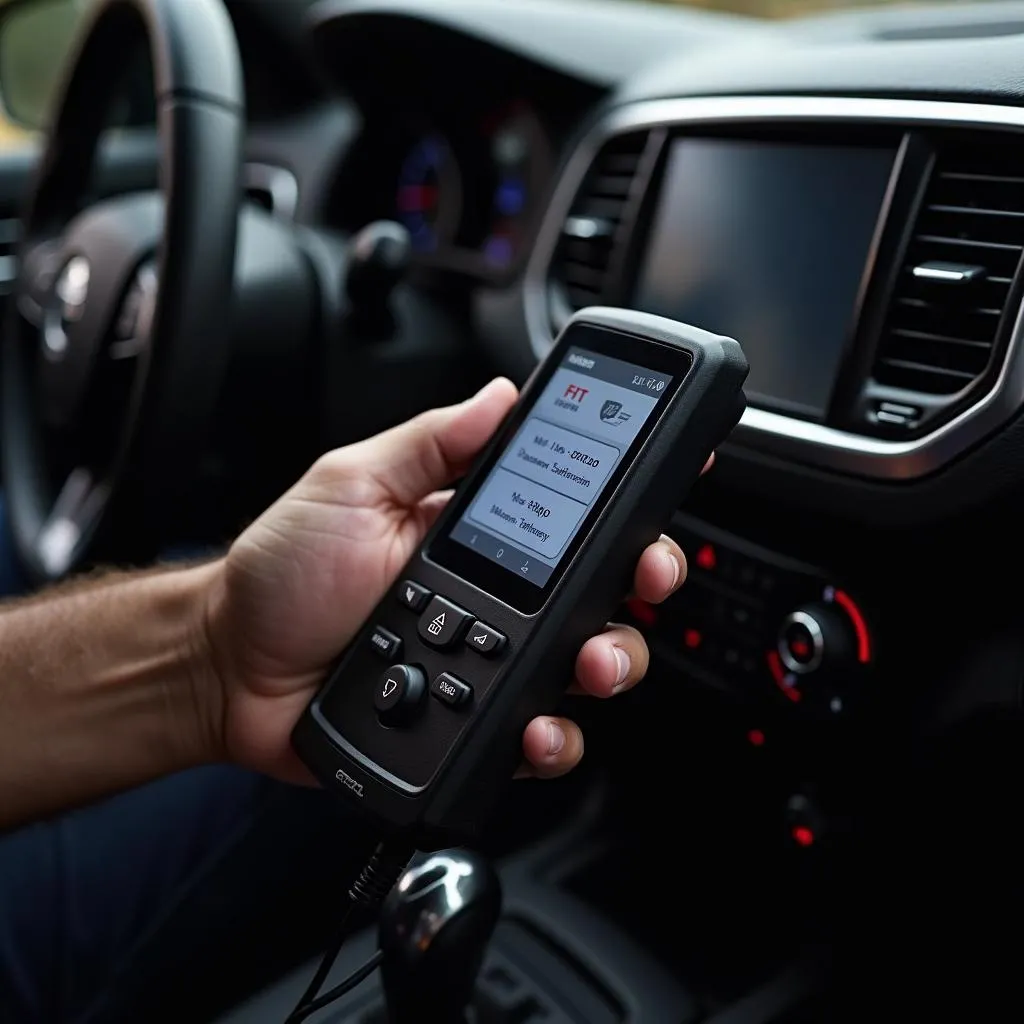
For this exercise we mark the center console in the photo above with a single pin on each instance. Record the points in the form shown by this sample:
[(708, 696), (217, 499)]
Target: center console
[(567, 948)]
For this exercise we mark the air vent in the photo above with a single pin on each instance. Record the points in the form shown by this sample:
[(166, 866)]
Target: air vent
[(10, 231), (949, 316), (591, 232)]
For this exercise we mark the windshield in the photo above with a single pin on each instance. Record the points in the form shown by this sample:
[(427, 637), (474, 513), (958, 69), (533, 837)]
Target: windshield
[(791, 8), (35, 36)]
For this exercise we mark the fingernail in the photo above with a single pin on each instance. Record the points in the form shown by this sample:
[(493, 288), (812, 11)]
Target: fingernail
[(676, 568), (622, 663), (556, 739)]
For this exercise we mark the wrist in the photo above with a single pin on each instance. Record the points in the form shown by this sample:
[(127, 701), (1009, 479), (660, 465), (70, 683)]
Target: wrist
[(203, 670)]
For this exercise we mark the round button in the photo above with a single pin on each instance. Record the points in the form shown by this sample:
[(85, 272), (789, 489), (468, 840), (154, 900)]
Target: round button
[(399, 694), (801, 643)]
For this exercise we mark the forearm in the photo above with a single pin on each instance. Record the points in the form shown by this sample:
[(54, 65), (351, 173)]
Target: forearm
[(102, 687)]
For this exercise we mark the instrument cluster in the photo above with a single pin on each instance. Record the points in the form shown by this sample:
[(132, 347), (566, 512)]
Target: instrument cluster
[(468, 188)]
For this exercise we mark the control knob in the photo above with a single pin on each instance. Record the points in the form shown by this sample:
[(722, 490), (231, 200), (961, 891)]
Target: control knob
[(816, 638), (820, 647)]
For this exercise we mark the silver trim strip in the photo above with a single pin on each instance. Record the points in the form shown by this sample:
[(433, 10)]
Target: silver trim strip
[(784, 436), (279, 183)]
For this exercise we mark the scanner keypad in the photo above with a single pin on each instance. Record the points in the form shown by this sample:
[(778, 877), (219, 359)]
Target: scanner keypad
[(441, 625)]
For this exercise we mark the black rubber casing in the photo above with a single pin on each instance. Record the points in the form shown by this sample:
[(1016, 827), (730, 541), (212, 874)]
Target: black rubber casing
[(441, 776)]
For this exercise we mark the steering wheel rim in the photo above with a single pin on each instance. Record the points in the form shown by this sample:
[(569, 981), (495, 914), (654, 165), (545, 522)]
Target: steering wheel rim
[(170, 257)]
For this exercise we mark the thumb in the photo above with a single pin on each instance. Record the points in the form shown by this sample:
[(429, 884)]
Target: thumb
[(434, 448)]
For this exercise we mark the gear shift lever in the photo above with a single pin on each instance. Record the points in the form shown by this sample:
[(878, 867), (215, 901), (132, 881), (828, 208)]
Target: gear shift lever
[(379, 258), (434, 928)]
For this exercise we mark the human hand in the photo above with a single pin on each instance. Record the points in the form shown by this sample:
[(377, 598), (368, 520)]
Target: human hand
[(299, 583)]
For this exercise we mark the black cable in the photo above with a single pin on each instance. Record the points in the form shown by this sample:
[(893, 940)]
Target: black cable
[(374, 882), (358, 976), (327, 960)]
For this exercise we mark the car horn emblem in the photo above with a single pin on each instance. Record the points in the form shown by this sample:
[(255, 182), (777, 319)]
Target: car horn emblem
[(73, 288)]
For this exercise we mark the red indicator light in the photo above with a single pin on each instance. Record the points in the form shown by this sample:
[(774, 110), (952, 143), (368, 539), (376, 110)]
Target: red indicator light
[(642, 611), (706, 557), (693, 638), (802, 835), (756, 738), (860, 626), (800, 648), (417, 198)]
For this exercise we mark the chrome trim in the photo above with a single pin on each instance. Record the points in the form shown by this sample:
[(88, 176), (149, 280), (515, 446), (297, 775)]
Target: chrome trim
[(777, 434), (279, 183), (817, 640), (948, 273)]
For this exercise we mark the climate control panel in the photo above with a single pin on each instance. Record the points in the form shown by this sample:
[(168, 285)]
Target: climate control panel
[(761, 625)]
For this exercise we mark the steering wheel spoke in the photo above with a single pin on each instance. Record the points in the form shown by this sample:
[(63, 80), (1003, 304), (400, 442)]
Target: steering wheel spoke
[(135, 321), (74, 515), (37, 275)]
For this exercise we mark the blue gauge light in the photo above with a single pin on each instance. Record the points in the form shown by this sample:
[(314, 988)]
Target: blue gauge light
[(499, 250), (510, 196)]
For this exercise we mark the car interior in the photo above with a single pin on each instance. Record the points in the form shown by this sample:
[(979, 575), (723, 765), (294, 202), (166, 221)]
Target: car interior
[(300, 223)]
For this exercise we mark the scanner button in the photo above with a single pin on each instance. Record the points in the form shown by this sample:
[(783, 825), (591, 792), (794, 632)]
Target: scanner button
[(484, 639), (412, 595), (443, 623), (451, 690), (399, 694), (386, 644)]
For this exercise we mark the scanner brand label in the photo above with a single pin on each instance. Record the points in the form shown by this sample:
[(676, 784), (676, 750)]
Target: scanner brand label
[(346, 780)]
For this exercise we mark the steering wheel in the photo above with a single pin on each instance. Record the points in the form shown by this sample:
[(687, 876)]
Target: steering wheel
[(117, 338)]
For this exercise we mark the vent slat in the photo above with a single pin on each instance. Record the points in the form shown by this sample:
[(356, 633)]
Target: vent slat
[(584, 256), (974, 211), (612, 185), (942, 339), (907, 300), (938, 371), (968, 176), (941, 333), (976, 243)]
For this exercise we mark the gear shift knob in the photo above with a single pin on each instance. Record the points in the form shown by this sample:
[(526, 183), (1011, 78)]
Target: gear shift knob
[(379, 258), (434, 929)]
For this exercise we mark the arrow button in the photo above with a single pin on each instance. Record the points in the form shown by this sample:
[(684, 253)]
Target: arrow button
[(485, 639), (413, 595), (442, 624)]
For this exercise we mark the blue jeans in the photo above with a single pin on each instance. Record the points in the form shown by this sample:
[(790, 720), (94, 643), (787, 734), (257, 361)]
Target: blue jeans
[(170, 902)]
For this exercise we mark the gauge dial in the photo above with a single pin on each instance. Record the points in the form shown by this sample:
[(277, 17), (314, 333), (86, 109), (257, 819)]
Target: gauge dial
[(518, 157), (429, 198)]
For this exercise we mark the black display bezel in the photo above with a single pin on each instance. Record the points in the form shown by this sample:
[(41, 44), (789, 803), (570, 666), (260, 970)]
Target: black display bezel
[(526, 597)]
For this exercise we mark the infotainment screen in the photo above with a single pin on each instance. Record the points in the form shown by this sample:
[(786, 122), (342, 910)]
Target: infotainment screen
[(767, 242)]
